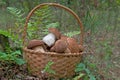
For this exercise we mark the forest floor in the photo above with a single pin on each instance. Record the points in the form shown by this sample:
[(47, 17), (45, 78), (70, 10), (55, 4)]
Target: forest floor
[(104, 52)]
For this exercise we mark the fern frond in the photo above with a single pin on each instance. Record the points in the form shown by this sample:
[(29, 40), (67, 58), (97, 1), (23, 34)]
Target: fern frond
[(16, 13), (9, 35)]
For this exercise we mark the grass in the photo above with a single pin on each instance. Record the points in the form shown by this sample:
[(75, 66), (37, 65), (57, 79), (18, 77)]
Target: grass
[(102, 53)]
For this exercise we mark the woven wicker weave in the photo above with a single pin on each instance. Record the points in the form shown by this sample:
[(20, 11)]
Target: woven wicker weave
[(64, 64)]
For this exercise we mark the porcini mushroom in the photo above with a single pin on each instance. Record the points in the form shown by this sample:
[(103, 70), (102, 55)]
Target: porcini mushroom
[(59, 47), (63, 37), (49, 39), (37, 45), (55, 32), (72, 45)]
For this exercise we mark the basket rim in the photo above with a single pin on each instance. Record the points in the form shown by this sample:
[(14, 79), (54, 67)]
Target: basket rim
[(51, 53)]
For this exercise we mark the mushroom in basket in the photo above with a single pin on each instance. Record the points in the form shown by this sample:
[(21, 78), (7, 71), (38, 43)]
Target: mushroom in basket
[(50, 39), (73, 46), (55, 32), (37, 45), (60, 46)]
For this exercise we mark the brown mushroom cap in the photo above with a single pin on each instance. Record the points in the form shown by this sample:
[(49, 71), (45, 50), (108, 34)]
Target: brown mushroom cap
[(60, 46), (55, 32), (72, 45), (63, 37), (34, 43)]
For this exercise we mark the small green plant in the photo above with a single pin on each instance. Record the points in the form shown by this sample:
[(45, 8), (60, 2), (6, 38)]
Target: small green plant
[(2, 2), (13, 57), (71, 34), (17, 28), (91, 22), (84, 72), (48, 68), (18, 18), (13, 37), (106, 48), (53, 25), (17, 14), (79, 76), (10, 55)]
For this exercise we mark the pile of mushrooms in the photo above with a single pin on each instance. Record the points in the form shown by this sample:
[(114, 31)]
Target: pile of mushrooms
[(55, 42)]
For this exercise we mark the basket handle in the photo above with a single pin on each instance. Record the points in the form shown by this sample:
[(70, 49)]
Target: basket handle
[(56, 5)]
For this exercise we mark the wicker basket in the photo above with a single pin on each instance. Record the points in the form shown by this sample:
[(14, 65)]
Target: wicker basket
[(64, 64)]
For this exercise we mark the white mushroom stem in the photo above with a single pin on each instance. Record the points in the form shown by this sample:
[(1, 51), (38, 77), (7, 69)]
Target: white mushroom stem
[(49, 39), (39, 49)]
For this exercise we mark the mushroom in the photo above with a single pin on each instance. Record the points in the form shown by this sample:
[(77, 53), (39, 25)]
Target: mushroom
[(49, 39), (72, 45), (37, 45), (67, 50), (59, 47), (63, 37), (55, 32)]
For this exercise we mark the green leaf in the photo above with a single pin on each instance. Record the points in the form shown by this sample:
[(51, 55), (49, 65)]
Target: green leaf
[(80, 67), (54, 25), (19, 61), (2, 53), (15, 12), (87, 71), (3, 56), (92, 65), (16, 52), (51, 71), (48, 68), (48, 65), (86, 78), (71, 34), (8, 34), (12, 57), (79, 76), (92, 77)]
